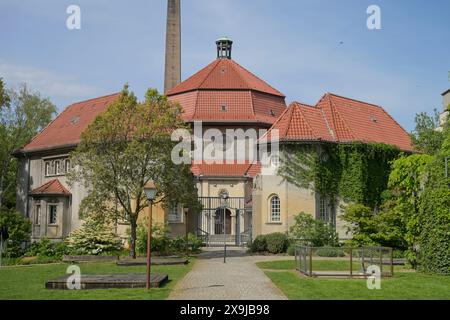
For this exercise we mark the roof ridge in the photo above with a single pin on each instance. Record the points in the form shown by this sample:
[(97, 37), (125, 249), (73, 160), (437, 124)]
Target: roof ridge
[(254, 75), (334, 110), (215, 64), (355, 100), (290, 119), (307, 122)]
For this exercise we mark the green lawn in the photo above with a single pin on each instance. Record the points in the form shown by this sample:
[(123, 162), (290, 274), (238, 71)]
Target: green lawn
[(404, 285), (28, 282)]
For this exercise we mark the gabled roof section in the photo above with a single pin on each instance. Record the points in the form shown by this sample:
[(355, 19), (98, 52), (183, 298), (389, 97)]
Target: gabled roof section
[(66, 128), (300, 122), (224, 74), (339, 119), (53, 187)]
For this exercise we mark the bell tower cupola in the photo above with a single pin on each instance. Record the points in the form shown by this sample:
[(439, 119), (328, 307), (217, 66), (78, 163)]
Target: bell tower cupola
[(224, 46)]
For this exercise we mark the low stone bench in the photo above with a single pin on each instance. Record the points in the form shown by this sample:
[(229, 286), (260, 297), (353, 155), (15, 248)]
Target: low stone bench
[(117, 281), (75, 259)]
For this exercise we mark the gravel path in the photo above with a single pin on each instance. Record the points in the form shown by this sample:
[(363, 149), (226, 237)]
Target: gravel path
[(238, 278)]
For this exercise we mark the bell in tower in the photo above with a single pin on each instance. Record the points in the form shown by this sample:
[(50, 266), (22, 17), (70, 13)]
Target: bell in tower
[(224, 46)]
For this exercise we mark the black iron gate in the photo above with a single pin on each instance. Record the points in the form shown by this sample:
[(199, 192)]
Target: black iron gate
[(223, 222)]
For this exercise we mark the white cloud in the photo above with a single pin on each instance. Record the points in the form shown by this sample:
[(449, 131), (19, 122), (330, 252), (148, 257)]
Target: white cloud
[(45, 81)]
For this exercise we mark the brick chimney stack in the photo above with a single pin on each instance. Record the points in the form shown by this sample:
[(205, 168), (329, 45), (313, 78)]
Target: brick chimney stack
[(172, 76)]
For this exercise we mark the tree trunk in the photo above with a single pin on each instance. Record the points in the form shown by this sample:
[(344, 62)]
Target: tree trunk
[(133, 226)]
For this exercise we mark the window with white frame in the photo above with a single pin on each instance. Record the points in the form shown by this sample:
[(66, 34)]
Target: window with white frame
[(52, 214), (274, 209), (67, 165), (57, 167), (47, 168), (175, 214)]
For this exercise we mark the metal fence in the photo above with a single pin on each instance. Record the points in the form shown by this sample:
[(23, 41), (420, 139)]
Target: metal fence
[(224, 222), (343, 261)]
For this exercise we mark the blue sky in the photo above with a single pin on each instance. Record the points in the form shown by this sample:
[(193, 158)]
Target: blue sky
[(303, 48)]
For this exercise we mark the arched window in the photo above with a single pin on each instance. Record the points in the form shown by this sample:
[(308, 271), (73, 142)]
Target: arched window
[(57, 167), (274, 209), (67, 165), (47, 168)]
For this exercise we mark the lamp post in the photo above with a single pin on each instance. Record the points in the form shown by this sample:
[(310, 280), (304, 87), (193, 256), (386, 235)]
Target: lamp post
[(224, 206), (150, 193), (186, 230)]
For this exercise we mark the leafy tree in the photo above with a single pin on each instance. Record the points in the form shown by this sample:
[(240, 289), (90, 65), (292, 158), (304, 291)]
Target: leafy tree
[(318, 233), (22, 115), (434, 214), (124, 149), (425, 137), (406, 183), (361, 224), (19, 229)]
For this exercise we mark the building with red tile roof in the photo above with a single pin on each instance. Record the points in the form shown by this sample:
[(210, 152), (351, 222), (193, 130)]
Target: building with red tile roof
[(223, 95), (224, 92), (341, 120), (65, 130)]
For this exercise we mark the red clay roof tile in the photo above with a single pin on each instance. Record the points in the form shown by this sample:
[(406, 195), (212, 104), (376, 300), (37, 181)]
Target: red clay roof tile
[(224, 91), (224, 74), (236, 170), (339, 119), (67, 127)]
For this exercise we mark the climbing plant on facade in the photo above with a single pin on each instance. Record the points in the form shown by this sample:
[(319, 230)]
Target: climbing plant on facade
[(356, 172)]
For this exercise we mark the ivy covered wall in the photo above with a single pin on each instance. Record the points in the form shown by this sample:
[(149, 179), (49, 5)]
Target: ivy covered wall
[(357, 171)]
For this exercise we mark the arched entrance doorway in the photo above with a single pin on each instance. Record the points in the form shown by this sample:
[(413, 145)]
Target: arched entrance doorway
[(219, 224)]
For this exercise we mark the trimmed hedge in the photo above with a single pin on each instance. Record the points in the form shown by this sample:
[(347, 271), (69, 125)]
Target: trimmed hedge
[(259, 244), (273, 243), (276, 242)]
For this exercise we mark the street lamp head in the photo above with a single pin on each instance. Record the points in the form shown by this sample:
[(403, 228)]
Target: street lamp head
[(150, 191)]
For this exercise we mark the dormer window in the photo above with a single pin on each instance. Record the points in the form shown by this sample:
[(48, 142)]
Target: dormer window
[(224, 108), (272, 113)]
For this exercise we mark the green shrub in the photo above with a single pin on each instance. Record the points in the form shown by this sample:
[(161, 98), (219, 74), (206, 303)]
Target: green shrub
[(259, 244), (19, 229), (291, 249), (330, 252), (315, 232), (276, 242), (398, 254), (160, 238), (94, 238), (47, 248), (194, 242), (162, 243)]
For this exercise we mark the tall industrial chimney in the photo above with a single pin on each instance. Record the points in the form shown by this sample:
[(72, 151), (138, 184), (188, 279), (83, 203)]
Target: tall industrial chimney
[(172, 75)]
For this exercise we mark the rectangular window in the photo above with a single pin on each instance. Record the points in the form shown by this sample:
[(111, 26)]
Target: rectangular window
[(37, 217), (52, 214), (323, 209), (176, 214)]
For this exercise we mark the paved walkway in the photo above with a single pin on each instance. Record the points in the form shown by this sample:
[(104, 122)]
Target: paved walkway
[(239, 278)]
